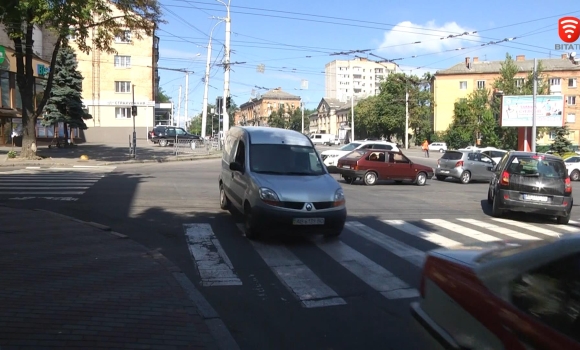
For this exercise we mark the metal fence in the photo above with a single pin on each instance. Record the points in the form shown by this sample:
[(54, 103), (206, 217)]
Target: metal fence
[(188, 147)]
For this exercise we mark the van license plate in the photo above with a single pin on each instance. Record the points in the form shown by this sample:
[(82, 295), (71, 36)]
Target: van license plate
[(346, 166), (308, 221), (535, 198)]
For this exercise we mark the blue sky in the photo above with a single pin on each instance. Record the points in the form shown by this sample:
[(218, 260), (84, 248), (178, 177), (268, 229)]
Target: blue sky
[(295, 39)]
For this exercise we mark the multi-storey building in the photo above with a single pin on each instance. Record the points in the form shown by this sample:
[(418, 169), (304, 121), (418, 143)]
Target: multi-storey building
[(332, 117), (359, 77), (257, 110), (111, 83), (459, 81)]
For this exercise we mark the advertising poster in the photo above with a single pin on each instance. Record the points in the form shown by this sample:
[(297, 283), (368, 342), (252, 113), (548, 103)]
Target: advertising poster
[(517, 111)]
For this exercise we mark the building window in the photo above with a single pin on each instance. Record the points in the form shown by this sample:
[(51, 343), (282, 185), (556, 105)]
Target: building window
[(123, 86), (481, 84), (123, 37), (122, 112), (519, 82), (571, 118), (122, 61), (571, 100), (555, 82), (463, 85), (572, 82)]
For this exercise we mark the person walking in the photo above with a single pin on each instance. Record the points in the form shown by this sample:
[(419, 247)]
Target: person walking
[(425, 148)]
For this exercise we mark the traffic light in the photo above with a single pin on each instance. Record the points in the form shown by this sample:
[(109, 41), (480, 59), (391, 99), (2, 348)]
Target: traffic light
[(133, 111), (219, 104), (228, 102)]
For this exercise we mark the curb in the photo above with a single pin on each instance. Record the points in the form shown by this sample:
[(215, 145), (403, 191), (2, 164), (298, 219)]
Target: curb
[(132, 161), (217, 327)]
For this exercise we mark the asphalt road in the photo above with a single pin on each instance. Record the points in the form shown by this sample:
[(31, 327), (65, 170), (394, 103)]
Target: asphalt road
[(287, 293)]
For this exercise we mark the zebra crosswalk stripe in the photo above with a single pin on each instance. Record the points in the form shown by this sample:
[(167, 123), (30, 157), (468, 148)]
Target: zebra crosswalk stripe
[(499, 229), (528, 227), (421, 233), (462, 230)]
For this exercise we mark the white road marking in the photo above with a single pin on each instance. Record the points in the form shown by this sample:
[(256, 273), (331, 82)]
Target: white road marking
[(215, 268), (376, 276), (422, 233), (297, 277), (480, 236), (500, 230), (565, 228), (528, 227), (412, 255)]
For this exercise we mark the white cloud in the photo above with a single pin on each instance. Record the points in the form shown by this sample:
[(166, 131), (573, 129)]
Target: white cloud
[(172, 53), (399, 39)]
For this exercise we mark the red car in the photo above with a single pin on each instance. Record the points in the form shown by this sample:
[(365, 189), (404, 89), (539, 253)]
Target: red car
[(375, 164), (514, 296)]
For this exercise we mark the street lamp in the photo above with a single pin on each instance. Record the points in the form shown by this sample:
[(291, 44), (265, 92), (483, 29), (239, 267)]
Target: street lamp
[(206, 81)]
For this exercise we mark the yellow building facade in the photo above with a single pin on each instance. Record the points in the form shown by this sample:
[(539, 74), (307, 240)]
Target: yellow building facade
[(455, 83), (257, 111)]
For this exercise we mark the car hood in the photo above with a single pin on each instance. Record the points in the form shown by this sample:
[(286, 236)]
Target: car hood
[(292, 188)]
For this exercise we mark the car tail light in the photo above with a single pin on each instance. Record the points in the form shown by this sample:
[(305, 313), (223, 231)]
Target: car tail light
[(505, 178), (459, 163), (568, 184)]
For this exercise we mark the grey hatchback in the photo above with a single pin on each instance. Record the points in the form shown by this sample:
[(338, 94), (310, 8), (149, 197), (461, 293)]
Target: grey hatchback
[(465, 165)]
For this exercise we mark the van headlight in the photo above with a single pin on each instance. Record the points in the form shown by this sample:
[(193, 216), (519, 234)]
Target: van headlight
[(339, 198), (268, 196)]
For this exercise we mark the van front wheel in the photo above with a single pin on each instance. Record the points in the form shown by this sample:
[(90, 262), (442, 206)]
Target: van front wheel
[(250, 223)]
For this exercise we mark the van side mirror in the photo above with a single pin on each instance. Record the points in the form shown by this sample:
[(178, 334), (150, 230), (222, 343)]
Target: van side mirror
[(235, 166)]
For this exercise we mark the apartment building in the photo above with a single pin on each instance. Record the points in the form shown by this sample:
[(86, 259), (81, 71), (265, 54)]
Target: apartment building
[(257, 110), (10, 102), (112, 81), (459, 81), (359, 77)]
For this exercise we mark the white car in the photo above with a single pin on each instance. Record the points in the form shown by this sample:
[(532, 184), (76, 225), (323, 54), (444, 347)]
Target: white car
[(495, 154), (438, 147), (573, 167), (330, 157)]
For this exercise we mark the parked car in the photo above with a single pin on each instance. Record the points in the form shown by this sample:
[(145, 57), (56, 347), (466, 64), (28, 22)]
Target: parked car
[(573, 167), (438, 147), (166, 135), (321, 139), (372, 165), (276, 179), (465, 166), (503, 295), (333, 141), (531, 182), (331, 156)]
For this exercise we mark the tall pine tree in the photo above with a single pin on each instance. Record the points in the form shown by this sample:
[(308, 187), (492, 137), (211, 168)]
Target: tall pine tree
[(65, 103)]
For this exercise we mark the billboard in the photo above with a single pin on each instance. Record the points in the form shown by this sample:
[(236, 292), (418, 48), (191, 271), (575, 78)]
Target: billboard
[(518, 110)]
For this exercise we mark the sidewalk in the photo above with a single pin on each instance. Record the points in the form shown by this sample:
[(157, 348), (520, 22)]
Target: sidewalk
[(103, 154), (65, 283)]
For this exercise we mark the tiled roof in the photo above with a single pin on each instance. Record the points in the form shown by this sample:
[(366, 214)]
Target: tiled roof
[(549, 65), (279, 95)]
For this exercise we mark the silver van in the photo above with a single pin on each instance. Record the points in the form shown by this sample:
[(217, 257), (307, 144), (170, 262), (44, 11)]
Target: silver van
[(276, 179)]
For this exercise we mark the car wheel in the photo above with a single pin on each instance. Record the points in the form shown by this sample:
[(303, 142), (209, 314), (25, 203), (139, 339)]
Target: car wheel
[(421, 179), (347, 179), (370, 178), (440, 177), (224, 200), (465, 177), (496, 212), (564, 220), (250, 223), (163, 143), (575, 175)]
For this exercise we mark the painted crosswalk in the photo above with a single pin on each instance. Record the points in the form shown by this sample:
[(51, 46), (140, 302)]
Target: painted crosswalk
[(63, 184), (398, 239)]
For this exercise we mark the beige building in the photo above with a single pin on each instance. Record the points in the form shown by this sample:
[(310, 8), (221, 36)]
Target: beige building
[(112, 80), (360, 77), (257, 110), (457, 82), (333, 117)]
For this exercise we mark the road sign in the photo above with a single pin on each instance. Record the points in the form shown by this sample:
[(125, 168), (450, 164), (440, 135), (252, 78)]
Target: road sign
[(2, 54)]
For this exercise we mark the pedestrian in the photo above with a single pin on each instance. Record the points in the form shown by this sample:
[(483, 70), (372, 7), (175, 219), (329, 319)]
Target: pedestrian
[(425, 148)]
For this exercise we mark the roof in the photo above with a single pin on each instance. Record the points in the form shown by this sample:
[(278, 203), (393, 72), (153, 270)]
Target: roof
[(482, 67), (268, 135), (279, 95), (336, 104)]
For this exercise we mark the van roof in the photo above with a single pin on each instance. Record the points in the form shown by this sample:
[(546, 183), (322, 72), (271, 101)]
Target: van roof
[(268, 135)]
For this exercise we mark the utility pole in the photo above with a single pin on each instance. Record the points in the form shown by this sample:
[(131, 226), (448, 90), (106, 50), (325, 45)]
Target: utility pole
[(302, 103), (178, 108), (352, 117), (134, 114), (225, 115), (206, 83), (406, 118), (186, 97), (534, 132)]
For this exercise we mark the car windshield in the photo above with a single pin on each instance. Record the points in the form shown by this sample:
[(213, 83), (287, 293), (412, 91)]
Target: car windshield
[(282, 159), (349, 147), (537, 167)]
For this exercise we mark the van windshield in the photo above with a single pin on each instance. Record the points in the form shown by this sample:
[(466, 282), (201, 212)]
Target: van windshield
[(285, 160)]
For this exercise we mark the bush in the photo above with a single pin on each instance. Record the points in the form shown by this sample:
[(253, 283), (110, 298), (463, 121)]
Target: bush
[(12, 154)]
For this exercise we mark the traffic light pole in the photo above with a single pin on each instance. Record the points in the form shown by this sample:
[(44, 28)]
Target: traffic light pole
[(134, 113)]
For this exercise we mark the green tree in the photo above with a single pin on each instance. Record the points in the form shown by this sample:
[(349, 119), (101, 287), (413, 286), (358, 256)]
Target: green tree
[(278, 119), (421, 107), (461, 130), (489, 130), (101, 20), (162, 96), (65, 102), (212, 121), (561, 143), (295, 120)]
